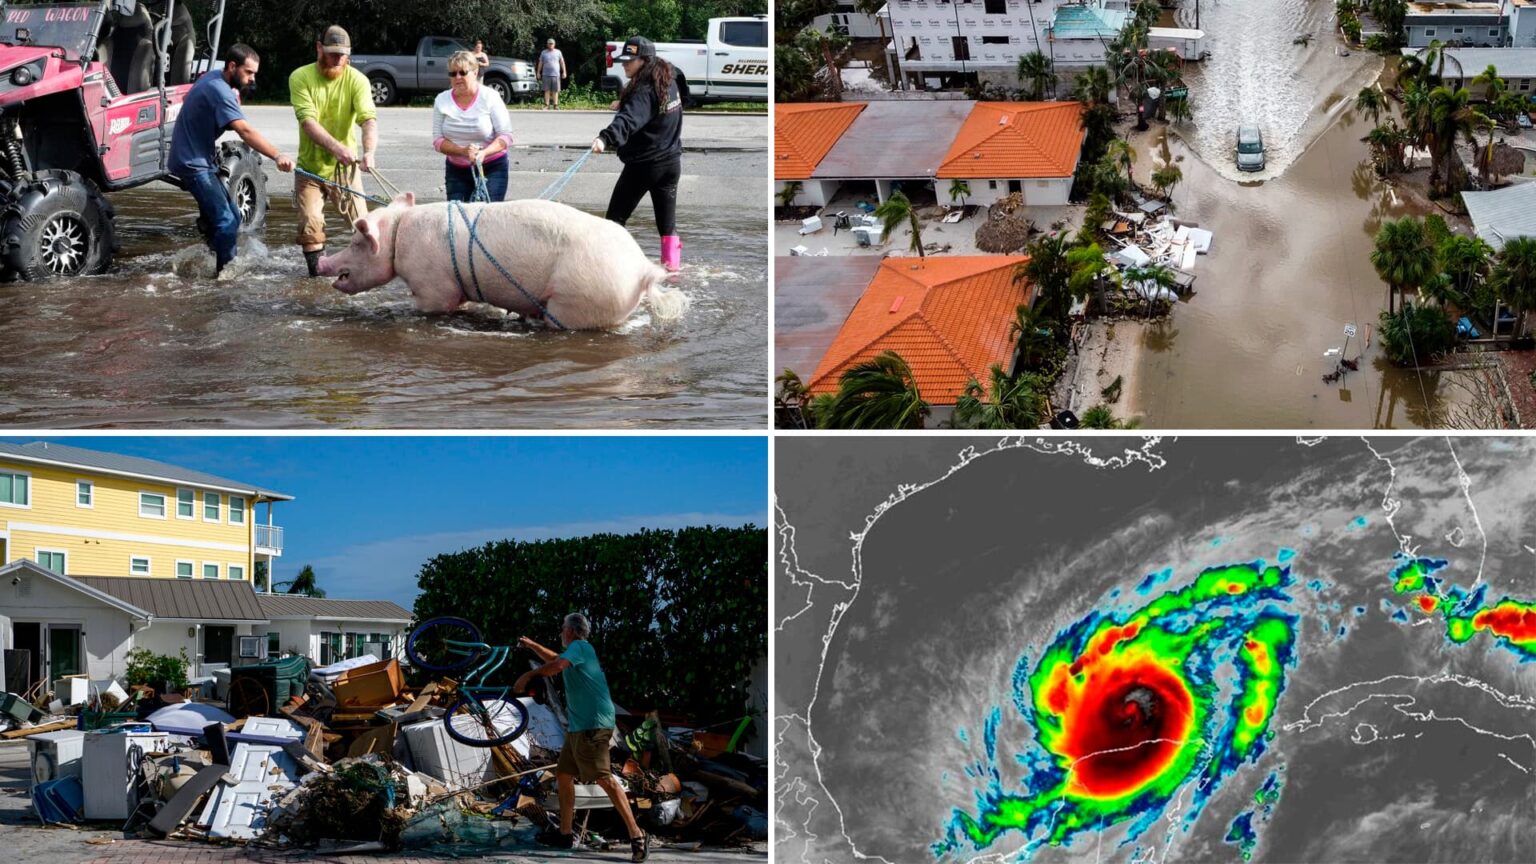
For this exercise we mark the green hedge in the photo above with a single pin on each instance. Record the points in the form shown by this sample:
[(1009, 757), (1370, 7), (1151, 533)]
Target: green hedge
[(678, 616)]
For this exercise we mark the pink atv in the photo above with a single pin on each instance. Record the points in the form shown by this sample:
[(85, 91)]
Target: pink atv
[(89, 93)]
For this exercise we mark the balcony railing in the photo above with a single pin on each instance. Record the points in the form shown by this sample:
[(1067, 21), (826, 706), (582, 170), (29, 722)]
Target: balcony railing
[(269, 539)]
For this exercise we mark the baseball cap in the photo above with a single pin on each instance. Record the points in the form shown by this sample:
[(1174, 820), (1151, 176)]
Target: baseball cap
[(336, 41), (637, 46)]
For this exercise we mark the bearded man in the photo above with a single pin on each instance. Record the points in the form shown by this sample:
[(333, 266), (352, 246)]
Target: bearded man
[(331, 99)]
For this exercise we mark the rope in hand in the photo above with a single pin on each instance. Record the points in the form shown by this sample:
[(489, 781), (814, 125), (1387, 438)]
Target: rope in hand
[(389, 188), (558, 186), (332, 183)]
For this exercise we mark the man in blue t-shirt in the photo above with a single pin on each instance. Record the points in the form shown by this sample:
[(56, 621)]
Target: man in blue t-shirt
[(589, 729), (210, 109)]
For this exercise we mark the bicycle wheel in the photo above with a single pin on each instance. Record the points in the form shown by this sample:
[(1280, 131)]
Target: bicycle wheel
[(428, 648), (483, 720)]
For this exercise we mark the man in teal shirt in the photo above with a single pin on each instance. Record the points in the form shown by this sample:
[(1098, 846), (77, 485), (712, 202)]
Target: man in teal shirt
[(589, 715)]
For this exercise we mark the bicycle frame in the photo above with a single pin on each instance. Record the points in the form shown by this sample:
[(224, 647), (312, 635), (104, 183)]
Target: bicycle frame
[(495, 657)]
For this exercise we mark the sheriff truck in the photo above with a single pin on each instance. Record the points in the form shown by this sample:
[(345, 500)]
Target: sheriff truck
[(731, 64)]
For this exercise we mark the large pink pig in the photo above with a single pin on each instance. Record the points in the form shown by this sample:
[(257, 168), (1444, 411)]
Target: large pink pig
[(575, 270)]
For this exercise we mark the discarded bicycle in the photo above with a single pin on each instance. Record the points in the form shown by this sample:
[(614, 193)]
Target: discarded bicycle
[(482, 715)]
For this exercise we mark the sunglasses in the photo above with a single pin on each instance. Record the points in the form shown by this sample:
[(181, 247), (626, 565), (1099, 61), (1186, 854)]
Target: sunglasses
[(457, 74)]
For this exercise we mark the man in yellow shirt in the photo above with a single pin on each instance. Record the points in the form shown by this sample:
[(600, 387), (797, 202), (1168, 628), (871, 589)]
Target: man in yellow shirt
[(330, 99)]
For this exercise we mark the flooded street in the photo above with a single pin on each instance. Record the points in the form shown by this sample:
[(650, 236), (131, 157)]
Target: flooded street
[(1289, 266), (266, 347)]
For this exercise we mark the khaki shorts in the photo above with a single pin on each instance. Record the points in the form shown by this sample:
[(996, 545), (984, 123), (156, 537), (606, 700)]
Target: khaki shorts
[(310, 197), (585, 755)]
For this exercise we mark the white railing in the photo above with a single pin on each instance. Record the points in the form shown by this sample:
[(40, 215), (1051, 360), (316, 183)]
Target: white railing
[(269, 537)]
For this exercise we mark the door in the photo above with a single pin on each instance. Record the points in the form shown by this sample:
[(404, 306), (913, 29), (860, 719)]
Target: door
[(218, 645), (64, 651), (738, 62), (28, 637), (1015, 186), (433, 72)]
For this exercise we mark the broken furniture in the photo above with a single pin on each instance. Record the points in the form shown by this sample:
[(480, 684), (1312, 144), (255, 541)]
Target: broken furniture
[(810, 225)]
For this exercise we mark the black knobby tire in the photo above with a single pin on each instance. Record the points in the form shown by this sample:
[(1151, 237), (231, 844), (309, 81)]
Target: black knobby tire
[(240, 167), (418, 646), (502, 86), (57, 225), (476, 726), (383, 90)]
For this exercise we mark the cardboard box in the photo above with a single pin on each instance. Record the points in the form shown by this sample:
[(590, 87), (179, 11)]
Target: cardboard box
[(375, 684)]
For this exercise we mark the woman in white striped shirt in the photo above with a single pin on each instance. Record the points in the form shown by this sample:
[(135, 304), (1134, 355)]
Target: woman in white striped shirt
[(470, 125)]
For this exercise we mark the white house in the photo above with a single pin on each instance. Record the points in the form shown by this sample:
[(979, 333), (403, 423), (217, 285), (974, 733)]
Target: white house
[(845, 18), (1482, 25), (1516, 66), (330, 630)]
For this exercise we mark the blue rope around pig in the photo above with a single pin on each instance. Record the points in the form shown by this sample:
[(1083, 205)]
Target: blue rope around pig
[(482, 194)]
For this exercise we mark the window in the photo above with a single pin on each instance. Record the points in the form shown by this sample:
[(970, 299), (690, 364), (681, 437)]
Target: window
[(330, 648), (186, 504), (83, 491), (210, 571), (442, 48), (1493, 32), (1456, 31), (1429, 31), (384, 644), (236, 510), (51, 559), (152, 505), (237, 572), (210, 506), (183, 569), (14, 489), (991, 184), (273, 641), (745, 34), (996, 7), (962, 47), (138, 566), (994, 40), (1525, 83)]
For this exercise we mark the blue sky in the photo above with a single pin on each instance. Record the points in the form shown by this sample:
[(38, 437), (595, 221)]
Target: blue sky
[(369, 510)]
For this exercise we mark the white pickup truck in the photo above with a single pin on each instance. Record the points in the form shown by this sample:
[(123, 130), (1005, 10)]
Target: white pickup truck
[(732, 63)]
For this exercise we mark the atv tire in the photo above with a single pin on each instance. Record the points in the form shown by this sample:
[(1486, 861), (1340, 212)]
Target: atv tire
[(240, 168), (57, 225), (141, 69)]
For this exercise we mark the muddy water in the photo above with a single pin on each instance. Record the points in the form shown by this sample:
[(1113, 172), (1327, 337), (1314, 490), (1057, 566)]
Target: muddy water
[(154, 343), (1289, 266)]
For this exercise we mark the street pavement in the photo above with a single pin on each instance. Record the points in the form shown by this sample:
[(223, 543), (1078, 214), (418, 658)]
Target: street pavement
[(725, 156), (25, 840)]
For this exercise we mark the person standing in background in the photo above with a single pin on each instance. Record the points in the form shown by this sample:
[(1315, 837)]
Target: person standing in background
[(551, 72)]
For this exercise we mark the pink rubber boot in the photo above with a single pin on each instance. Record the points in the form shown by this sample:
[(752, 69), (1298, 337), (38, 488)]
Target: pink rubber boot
[(672, 252)]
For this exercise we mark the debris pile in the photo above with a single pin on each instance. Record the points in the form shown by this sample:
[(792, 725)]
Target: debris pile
[(349, 757)]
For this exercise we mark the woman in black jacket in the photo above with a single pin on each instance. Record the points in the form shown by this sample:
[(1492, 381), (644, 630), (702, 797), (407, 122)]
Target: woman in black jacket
[(647, 134)]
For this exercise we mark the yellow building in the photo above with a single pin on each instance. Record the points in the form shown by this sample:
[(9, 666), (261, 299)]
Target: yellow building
[(84, 512)]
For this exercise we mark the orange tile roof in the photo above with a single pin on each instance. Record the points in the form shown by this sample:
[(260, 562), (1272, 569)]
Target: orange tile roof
[(803, 132), (947, 317), (1017, 139)]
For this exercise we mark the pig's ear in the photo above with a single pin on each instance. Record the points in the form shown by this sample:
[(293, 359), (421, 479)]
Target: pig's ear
[(365, 228), (406, 198)]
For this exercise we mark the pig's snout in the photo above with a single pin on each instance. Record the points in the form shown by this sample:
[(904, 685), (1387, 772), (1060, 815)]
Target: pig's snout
[(334, 266)]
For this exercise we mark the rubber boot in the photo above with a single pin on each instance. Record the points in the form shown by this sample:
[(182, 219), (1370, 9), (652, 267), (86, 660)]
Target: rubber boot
[(672, 252), (312, 260)]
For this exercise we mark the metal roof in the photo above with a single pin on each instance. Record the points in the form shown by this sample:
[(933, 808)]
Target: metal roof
[(192, 599), (812, 296), (299, 606), (1503, 214), (895, 140), (1511, 62), (49, 453)]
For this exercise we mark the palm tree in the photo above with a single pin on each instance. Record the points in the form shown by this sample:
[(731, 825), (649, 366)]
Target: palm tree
[(959, 189), (1370, 101), (1165, 178), (1153, 275), (1092, 86), (1098, 123), (1515, 277), (1047, 269), (1035, 70), (787, 194), (304, 583), (1450, 116), (1090, 272), (898, 209), (1101, 417), (1493, 86), (1033, 335), (1465, 260), (1122, 152), (877, 394), (1416, 111), (1404, 257), (826, 44), (1010, 403), (790, 400), (1388, 143)]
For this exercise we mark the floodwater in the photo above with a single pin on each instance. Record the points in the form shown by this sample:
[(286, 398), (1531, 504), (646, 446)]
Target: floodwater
[(1290, 263), (267, 347)]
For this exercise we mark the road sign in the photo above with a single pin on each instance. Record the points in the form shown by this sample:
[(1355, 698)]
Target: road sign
[(1349, 330), (1178, 92)]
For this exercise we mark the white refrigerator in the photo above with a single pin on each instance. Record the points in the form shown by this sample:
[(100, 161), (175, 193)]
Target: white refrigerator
[(107, 770)]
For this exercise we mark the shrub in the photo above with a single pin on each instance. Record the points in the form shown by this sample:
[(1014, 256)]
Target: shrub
[(147, 667)]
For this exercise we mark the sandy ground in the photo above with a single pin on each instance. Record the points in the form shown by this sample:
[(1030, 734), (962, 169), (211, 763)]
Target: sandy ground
[(1108, 348)]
